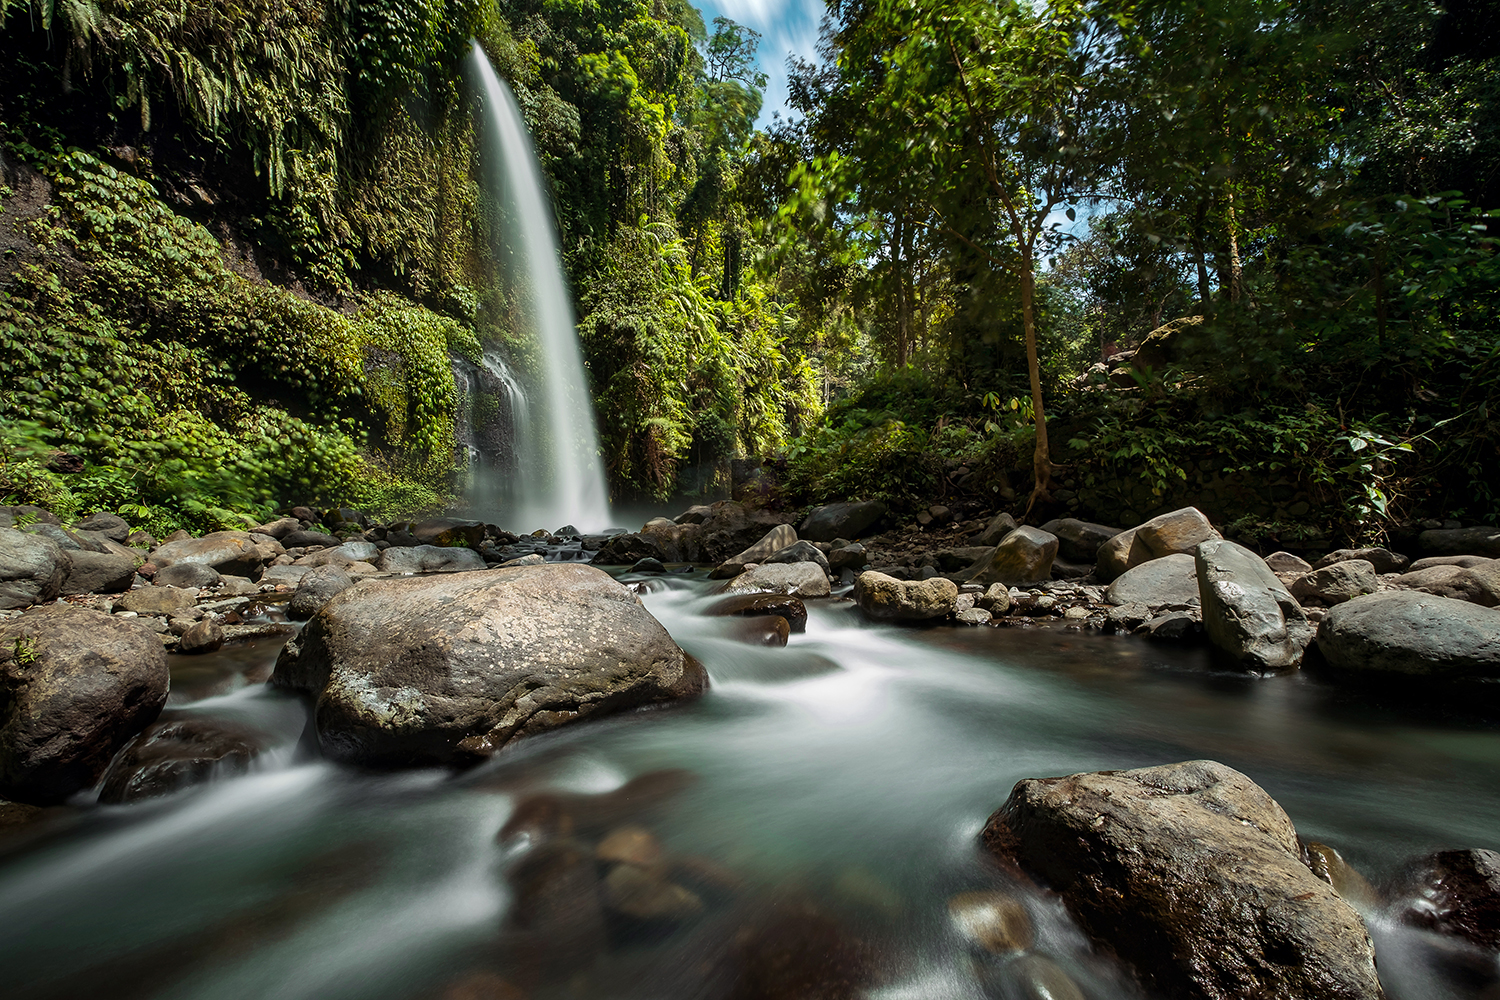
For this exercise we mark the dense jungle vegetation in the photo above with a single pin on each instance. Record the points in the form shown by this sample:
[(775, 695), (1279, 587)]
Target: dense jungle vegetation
[(240, 242)]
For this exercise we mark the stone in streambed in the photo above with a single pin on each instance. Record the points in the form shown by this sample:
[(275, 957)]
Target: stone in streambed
[(999, 526), (852, 557), (995, 921), (1463, 562), (995, 599), (643, 894), (232, 552), (177, 752), (316, 589), (1481, 541), (451, 668), (99, 573), (841, 520), (428, 559), (797, 552), (804, 579), (885, 598), (1478, 583), (648, 565), (194, 576), (1177, 532), (1079, 541), (763, 630), (1408, 634), (1191, 873), (775, 540), (1330, 866), (156, 600), (1247, 612), (1337, 582), (1286, 564), (786, 606), (1023, 556), (448, 532), (111, 525), (32, 569), (634, 845), (1170, 580), (1382, 560), (202, 637), (1456, 893), (304, 539), (77, 686)]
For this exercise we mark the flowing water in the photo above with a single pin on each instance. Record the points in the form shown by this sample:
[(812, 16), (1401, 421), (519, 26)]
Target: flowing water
[(559, 474), (829, 794)]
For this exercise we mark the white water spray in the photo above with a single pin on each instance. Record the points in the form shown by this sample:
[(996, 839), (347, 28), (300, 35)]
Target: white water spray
[(560, 478)]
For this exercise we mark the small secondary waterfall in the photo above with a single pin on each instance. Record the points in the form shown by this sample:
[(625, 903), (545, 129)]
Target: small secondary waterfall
[(559, 477)]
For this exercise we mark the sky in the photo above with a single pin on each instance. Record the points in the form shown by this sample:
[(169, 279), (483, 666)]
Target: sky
[(786, 27)]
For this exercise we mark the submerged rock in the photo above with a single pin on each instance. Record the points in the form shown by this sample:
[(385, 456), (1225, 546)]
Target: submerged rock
[(1247, 612), (177, 752), (75, 686), (452, 668), (1191, 873), (1408, 634), (995, 921), (1456, 893), (786, 606), (887, 599)]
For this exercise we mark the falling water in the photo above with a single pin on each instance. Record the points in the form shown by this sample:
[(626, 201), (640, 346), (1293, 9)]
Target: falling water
[(560, 478)]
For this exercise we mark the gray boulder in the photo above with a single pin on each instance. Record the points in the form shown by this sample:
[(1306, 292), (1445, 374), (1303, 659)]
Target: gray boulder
[(852, 556), (1000, 525), (885, 598), (68, 541), (448, 532), (78, 685), (1023, 556), (177, 751), (206, 636), (1402, 633), (278, 529), (1079, 541), (841, 520), (303, 539), (111, 525), (196, 576), (1178, 531), (1169, 580), (1483, 541), (316, 589), (428, 559), (1192, 874), (99, 573), (32, 569), (231, 552), (774, 541), (1247, 612), (803, 551), (157, 600), (1463, 562), (1478, 583), (1383, 560), (342, 555), (804, 579), (1337, 582), (284, 576), (1286, 564), (452, 668)]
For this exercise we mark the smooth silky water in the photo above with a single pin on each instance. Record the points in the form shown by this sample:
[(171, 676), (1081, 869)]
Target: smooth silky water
[(846, 776)]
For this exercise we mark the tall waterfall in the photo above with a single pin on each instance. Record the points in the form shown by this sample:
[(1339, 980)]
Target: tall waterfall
[(559, 478)]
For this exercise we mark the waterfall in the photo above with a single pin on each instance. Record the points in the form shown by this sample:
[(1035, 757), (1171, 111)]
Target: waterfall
[(558, 477)]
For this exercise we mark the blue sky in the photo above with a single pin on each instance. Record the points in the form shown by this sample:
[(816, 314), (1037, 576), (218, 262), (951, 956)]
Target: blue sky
[(786, 27)]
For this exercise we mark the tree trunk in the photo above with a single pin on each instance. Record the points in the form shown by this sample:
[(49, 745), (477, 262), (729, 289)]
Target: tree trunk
[(903, 333), (1236, 267), (1042, 458), (1205, 290)]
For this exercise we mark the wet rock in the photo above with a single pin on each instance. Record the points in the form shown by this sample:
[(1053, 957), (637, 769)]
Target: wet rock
[(237, 586), (483, 986), (535, 559), (449, 532), (178, 752), (803, 579), (999, 526), (645, 894), (1191, 873), (203, 637), (1382, 560), (785, 606), (1247, 612), (232, 552), (1456, 893), (1173, 626), (110, 525), (428, 559), (885, 598), (1330, 866), (973, 616), (1337, 582), (995, 599), (32, 569), (75, 686), (995, 921), (1482, 541), (452, 668), (1031, 977), (798, 552), (648, 565), (99, 573), (852, 557), (557, 911), (1023, 556), (1177, 532), (157, 600), (1286, 564), (550, 815), (765, 630), (316, 589), (775, 540), (795, 951), (1079, 541), (841, 520), (284, 576), (278, 529), (1404, 633), (1128, 617), (193, 576), (1169, 580), (634, 845)]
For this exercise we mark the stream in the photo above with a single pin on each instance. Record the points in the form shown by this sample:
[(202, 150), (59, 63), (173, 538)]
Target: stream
[(830, 794)]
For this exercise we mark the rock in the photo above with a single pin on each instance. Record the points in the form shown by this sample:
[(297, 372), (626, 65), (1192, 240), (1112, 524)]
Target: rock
[(535, 559), (1352, 887), (1428, 576), (1463, 562), (316, 589), (284, 576), (141, 540), (1023, 556), (195, 576), (232, 552), (278, 529), (1128, 617), (99, 573), (32, 569), (1456, 893), (206, 636), (306, 514), (632, 845), (627, 550), (1177, 532), (448, 532), (968, 557), (1285, 563), (557, 909), (999, 526), (1169, 580), (756, 605), (852, 556), (1247, 612), (1035, 977), (1482, 541), (995, 921), (343, 555), (885, 598), (303, 539), (68, 541), (428, 559), (804, 579), (694, 515), (995, 600), (775, 540), (156, 600), (648, 565), (237, 586), (28, 514), (1338, 582), (1079, 541), (177, 751), (1478, 584), (1383, 560), (111, 525), (1173, 626), (973, 616), (643, 894), (1403, 633), (1191, 873), (452, 668), (799, 552), (762, 630), (77, 686), (841, 520)]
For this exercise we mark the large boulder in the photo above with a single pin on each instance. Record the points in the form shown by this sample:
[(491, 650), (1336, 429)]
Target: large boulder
[(886, 598), (1079, 541), (1023, 556), (316, 589), (1477, 584), (1247, 612), (99, 573), (729, 527), (177, 751), (157, 600), (842, 520), (32, 569), (1482, 541), (804, 579), (802, 551), (195, 576), (1191, 873), (787, 606), (449, 532), (428, 559), (111, 525), (447, 669), (234, 553), (998, 527), (775, 540), (1382, 560), (75, 686), (1169, 580), (1338, 582), (1178, 531), (1402, 633)]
